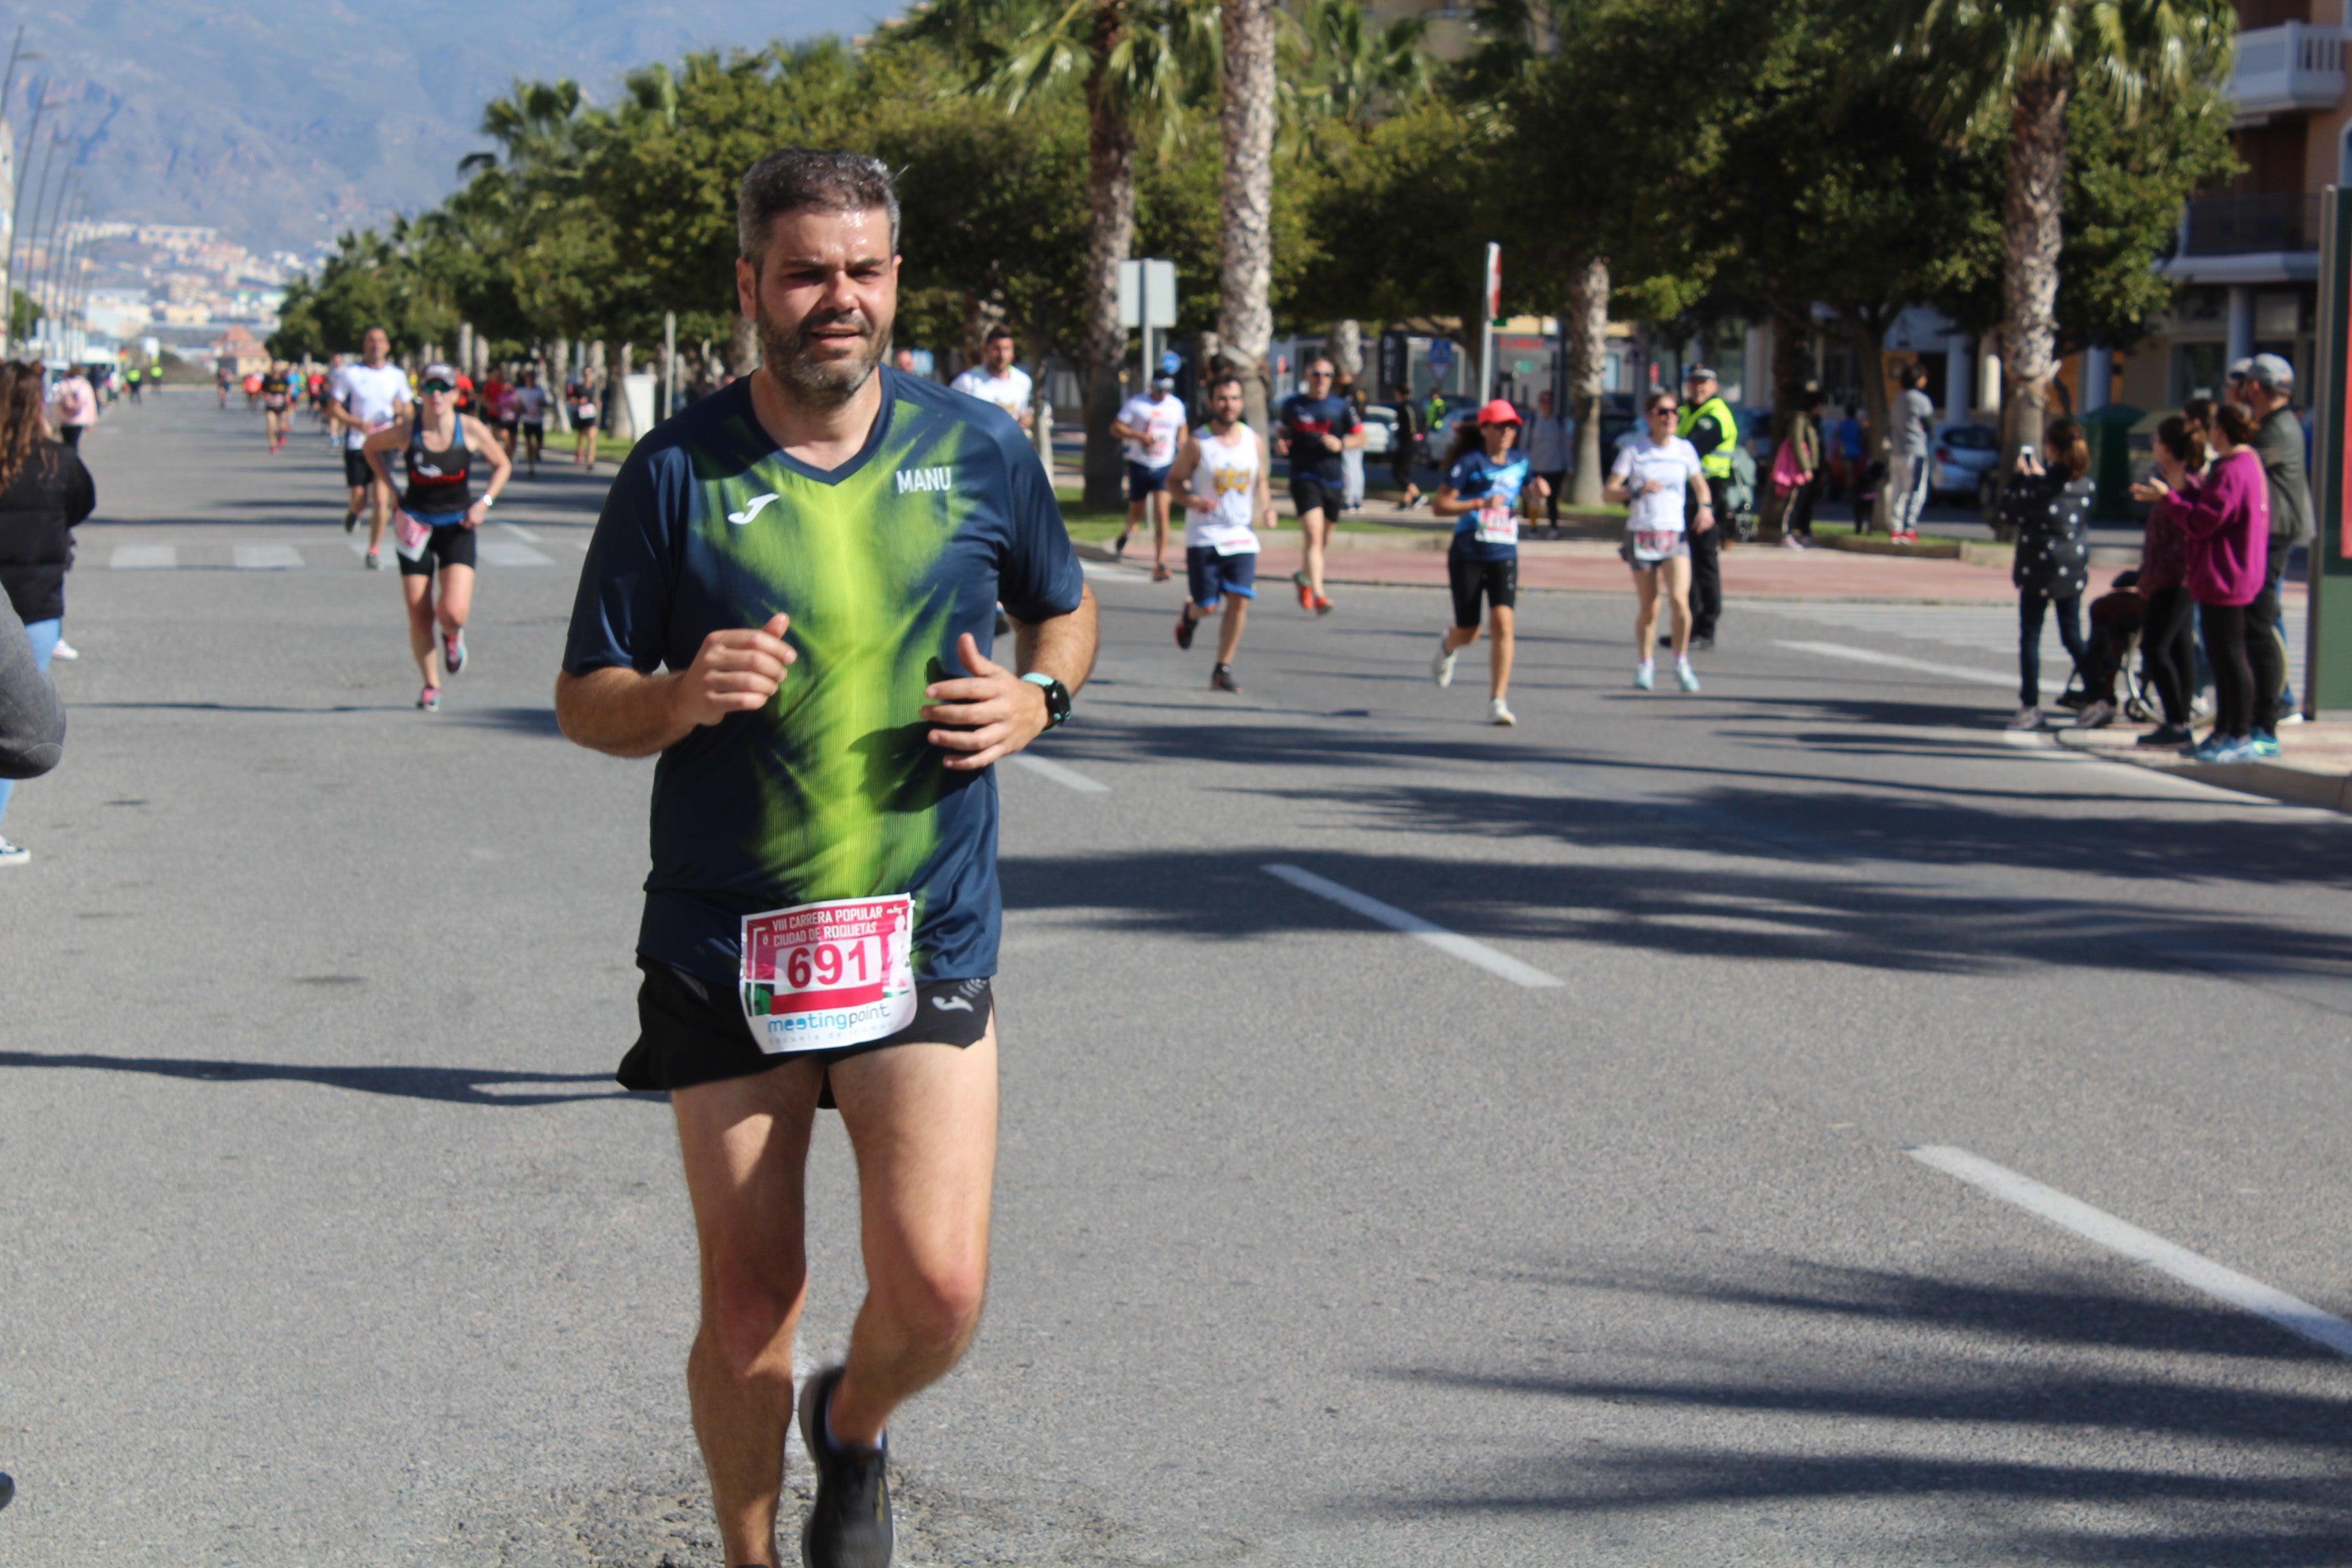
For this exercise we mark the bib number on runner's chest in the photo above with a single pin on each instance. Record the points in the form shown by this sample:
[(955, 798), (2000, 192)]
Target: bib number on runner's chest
[(818, 977), (1497, 525)]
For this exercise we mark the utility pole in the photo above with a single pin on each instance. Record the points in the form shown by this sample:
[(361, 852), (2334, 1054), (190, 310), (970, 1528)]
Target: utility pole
[(52, 251), (669, 363), (40, 200)]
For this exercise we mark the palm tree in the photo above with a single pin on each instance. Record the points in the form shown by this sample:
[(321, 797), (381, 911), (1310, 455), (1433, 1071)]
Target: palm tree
[(2019, 61), (1142, 64), (1245, 262)]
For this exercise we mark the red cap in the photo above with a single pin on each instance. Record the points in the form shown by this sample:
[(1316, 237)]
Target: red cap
[(1498, 411)]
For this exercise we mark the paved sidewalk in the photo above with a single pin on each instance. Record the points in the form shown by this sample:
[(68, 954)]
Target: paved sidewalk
[(2313, 768)]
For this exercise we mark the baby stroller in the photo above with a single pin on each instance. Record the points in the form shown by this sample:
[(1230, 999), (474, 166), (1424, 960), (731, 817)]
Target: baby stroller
[(2111, 657)]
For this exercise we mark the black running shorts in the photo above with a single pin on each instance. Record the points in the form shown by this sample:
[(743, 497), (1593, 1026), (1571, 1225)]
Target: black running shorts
[(1498, 581), (691, 1032), (357, 469), (452, 544), (1311, 493)]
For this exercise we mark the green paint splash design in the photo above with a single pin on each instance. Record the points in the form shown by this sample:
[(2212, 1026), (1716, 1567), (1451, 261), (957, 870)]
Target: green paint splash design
[(849, 788)]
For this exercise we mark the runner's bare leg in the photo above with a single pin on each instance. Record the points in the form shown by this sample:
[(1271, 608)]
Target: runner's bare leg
[(1229, 632), (922, 1120), (380, 514), (1312, 528), (1500, 626), (745, 1144), (1160, 527)]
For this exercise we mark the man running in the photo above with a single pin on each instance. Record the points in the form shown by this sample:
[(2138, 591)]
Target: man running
[(363, 399), (439, 515), (1313, 428), (1222, 475), (530, 416), (996, 379), (1152, 427), (278, 403), (814, 554)]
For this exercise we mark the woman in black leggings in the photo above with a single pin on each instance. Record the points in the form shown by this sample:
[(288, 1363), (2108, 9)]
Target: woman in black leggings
[(2048, 501), (2228, 525), (2164, 640)]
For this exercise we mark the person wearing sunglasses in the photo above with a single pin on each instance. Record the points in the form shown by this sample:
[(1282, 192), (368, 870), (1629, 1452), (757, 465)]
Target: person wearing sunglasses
[(1654, 466), (437, 518), (1485, 484), (1313, 428)]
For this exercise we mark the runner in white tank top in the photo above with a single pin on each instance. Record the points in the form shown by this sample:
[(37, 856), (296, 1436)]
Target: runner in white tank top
[(1222, 473)]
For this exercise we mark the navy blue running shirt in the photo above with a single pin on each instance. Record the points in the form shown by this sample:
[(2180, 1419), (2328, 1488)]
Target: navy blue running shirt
[(831, 791), (1307, 420), (1480, 477)]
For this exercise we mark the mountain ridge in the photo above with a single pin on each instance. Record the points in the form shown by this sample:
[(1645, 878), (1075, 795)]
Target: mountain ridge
[(283, 131)]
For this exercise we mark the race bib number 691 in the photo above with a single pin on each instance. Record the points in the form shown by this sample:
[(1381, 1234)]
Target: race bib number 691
[(817, 977)]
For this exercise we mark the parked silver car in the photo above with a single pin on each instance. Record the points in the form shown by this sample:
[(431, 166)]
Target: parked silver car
[(1963, 455)]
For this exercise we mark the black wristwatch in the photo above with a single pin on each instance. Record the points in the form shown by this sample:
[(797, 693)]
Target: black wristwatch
[(1057, 698)]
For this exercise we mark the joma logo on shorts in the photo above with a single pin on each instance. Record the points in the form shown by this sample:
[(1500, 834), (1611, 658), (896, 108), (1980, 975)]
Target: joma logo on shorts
[(926, 480)]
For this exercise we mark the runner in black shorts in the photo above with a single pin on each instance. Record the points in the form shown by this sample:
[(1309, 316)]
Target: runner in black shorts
[(278, 403), (438, 515), (1486, 488), (1313, 428), (822, 919)]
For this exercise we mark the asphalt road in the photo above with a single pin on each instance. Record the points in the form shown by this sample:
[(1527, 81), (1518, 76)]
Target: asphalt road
[(329, 1241)]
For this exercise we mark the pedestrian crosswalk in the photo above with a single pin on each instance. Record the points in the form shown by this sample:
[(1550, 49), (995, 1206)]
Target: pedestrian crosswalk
[(250, 555)]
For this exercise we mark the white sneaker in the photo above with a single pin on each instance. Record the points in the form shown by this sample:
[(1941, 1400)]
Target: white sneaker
[(12, 854), (65, 650), (2201, 706), (2027, 719), (2097, 715), (1441, 668), (1685, 676), (2293, 717), (1791, 541), (1498, 713)]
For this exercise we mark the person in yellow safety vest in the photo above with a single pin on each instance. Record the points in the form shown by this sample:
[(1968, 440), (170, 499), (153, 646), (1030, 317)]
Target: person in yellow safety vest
[(1708, 424)]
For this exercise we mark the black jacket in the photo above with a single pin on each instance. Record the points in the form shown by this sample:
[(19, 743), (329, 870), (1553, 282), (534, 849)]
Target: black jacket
[(2050, 514), (38, 511)]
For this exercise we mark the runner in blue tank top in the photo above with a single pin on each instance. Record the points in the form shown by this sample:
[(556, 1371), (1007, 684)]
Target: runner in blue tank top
[(1485, 485)]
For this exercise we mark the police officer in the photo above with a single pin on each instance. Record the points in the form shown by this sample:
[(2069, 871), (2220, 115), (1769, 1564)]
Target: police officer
[(1708, 424)]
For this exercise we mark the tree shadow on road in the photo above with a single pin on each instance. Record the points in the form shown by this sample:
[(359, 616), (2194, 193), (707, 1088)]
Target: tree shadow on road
[(456, 1086), (2232, 1449)]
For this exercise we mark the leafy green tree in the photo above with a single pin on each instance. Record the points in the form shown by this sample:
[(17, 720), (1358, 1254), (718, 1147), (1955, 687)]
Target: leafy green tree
[(2017, 65)]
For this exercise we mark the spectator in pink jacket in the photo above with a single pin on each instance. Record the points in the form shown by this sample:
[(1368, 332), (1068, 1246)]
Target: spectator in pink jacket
[(2227, 525)]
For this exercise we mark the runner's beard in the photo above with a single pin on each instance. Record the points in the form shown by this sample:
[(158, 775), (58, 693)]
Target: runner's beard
[(789, 356)]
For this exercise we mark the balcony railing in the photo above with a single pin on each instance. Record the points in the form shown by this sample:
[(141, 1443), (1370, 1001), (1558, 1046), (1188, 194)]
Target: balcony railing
[(2239, 225), (2294, 66)]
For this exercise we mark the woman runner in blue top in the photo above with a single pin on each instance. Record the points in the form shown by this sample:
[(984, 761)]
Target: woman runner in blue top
[(437, 517), (1484, 485)]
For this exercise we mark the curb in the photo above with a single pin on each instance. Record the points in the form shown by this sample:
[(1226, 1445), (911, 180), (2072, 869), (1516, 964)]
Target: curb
[(2273, 781)]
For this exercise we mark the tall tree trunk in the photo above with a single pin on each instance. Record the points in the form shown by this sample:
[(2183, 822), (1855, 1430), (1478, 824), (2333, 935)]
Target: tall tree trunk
[(1587, 327), (1878, 446), (1246, 273), (2030, 241), (1110, 235), (1344, 343)]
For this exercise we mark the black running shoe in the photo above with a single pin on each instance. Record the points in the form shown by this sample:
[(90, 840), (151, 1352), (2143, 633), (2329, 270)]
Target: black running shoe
[(1222, 680), (849, 1524), (1185, 626)]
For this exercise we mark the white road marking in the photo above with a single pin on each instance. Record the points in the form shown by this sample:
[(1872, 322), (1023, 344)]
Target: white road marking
[(1412, 925), (144, 558), (1897, 661), (266, 557), (526, 535), (497, 552), (2199, 1273), (1067, 777)]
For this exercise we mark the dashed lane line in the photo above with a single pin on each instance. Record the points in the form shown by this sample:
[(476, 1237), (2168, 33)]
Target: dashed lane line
[(1067, 777), (1899, 661), (1461, 947), (2199, 1273), (144, 558), (266, 557)]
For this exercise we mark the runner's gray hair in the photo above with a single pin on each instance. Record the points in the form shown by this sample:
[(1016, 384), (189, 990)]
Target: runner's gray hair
[(794, 179)]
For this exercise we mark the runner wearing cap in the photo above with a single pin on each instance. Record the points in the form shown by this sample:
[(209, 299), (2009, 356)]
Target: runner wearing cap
[(1313, 428), (438, 515), (1484, 486), (1153, 428), (1224, 477), (1653, 470)]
